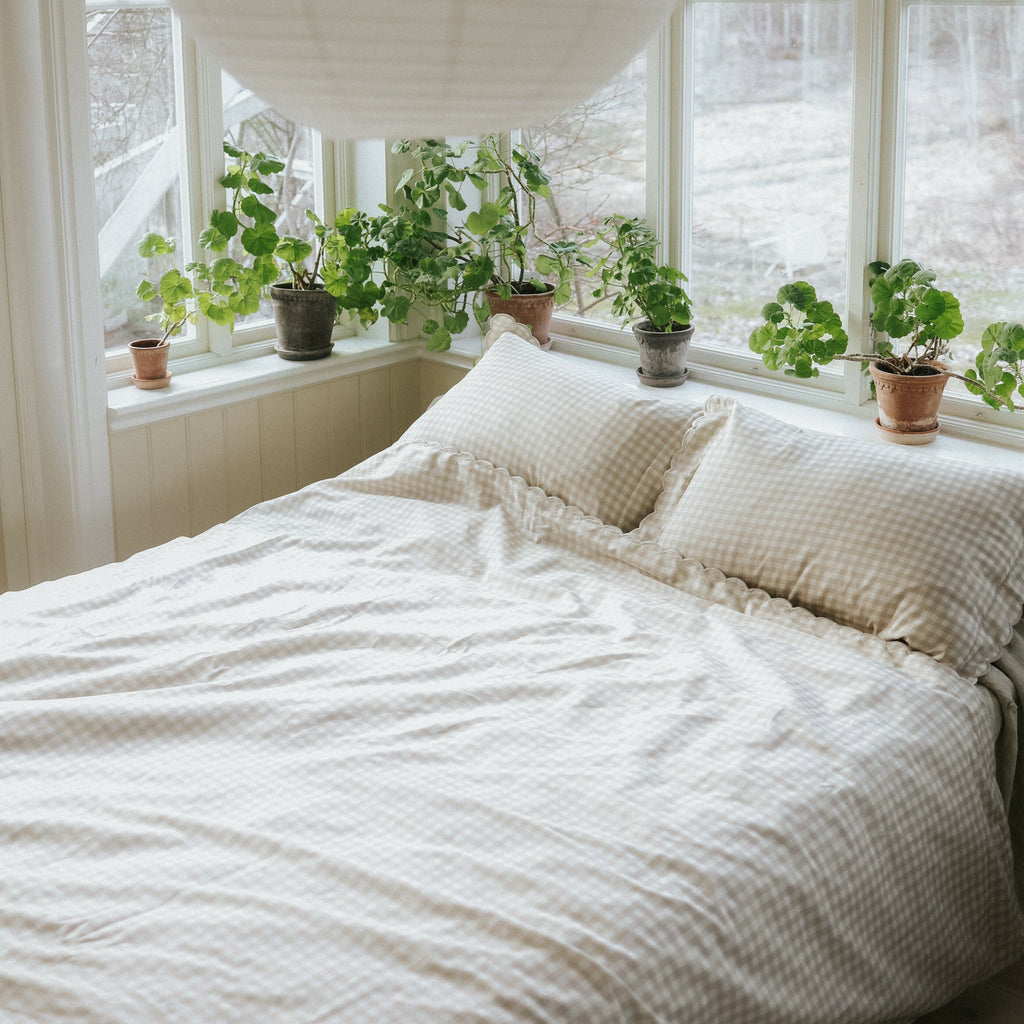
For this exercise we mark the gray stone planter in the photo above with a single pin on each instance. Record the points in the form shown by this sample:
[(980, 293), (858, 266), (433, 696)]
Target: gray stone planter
[(662, 355), (305, 320)]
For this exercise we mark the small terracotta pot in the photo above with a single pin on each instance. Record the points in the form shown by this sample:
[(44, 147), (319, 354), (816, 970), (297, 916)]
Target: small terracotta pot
[(149, 357), (533, 309), (662, 354), (909, 403)]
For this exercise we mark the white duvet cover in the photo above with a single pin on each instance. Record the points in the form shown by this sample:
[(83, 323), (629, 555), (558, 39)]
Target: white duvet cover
[(423, 744)]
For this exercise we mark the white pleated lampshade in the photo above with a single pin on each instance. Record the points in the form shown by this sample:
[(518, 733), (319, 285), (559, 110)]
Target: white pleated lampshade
[(415, 68)]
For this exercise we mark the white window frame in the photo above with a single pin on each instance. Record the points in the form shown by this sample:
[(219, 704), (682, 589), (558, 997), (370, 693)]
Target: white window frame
[(199, 105), (875, 197)]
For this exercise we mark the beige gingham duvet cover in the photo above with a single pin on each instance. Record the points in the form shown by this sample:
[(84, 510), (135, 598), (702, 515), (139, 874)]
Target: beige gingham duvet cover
[(423, 744)]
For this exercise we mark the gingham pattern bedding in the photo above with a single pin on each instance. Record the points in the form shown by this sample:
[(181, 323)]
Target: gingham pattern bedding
[(898, 544), (597, 445), (424, 744)]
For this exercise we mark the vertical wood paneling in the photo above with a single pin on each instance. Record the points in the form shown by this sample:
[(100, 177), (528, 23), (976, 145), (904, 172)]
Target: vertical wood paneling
[(277, 444), (130, 472), (375, 410), (168, 452), (405, 396), (243, 474), (346, 432), (207, 487), (436, 379), (312, 434), (183, 476)]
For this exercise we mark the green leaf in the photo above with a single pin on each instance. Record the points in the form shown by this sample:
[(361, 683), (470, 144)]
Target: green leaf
[(799, 294), (484, 220), (293, 250), (405, 178), (174, 287), (154, 244), (396, 307), (259, 213), (260, 239), (456, 323), (477, 272), (268, 165)]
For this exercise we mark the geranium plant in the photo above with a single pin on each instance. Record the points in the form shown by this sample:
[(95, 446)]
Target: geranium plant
[(440, 264), (998, 371), (340, 257), (640, 285), (800, 332)]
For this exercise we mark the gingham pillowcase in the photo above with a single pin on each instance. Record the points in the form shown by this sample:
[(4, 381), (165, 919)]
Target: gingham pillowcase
[(897, 544), (596, 444)]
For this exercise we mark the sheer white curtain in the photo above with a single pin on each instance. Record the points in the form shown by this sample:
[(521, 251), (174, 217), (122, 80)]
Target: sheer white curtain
[(55, 501)]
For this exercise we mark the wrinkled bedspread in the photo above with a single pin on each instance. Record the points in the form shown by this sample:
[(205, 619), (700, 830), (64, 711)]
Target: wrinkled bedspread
[(422, 744)]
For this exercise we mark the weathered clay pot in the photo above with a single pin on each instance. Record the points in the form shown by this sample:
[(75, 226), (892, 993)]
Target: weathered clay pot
[(662, 355), (532, 308), (149, 359), (305, 321), (908, 404)]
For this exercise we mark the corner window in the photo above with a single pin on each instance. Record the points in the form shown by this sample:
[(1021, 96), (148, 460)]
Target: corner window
[(772, 100), (135, 150), (962, 205), (149, 91)]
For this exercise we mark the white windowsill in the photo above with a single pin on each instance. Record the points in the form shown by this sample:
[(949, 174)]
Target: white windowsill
[(240, 380), (810, 408), (814, 408)]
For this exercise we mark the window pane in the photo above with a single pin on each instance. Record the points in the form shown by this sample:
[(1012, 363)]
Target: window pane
[(135, 153), (595, 154), (252, 125), (772, 123), (963, 204)]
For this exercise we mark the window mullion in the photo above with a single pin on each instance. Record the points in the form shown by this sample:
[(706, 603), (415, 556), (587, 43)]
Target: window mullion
[(871, 178), (201, 134), (670, 136)]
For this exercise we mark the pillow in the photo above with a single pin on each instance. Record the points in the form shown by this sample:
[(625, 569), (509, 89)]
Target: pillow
[(595, 443), (901, 545)]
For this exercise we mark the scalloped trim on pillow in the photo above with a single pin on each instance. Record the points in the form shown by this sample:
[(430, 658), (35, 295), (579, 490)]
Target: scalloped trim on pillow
[(596, 443)]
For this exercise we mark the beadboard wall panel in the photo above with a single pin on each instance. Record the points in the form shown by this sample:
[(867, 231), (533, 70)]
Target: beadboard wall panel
[(181, 476), (435, 379)]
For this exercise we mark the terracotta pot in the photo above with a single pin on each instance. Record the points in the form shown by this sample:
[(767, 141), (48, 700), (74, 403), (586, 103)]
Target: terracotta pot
[(662, 355), (305, 321), (533, 309), (149, 358), (908, 404)]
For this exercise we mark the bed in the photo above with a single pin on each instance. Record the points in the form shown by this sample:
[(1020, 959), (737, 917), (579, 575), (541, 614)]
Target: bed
[(575, 704)]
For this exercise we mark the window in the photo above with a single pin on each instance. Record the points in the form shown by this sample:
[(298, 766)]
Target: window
[(596, 155), (135, 149), (765, 140), (963, 207), (147, 147), (769, 158)]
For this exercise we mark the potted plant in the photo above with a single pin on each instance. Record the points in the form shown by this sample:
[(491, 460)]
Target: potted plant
[(998, 371), (650, 295), (494, 256), (799, 333), (909, 382), (340, 276), (179, 305)]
